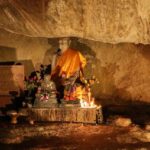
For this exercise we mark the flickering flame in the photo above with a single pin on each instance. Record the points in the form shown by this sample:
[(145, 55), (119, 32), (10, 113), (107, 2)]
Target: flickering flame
[(86, 99), (85, 104)]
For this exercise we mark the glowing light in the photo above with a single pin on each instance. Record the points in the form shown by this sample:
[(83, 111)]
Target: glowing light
[(85, 104), (85, 97)]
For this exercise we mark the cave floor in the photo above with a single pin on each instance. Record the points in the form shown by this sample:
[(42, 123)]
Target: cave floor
[(73, 136), (70, 136)]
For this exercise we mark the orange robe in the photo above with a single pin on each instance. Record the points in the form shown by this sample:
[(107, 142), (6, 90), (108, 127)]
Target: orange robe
[(69, 63)]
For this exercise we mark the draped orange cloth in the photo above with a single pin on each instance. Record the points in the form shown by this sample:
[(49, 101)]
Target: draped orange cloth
[(69, 62)]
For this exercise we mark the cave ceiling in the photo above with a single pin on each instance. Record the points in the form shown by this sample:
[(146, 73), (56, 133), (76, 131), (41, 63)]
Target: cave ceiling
[(109, 21)]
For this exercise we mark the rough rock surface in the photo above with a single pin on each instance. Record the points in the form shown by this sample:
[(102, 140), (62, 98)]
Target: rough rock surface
[(123, 122), (21, 49), (147, 127), (138, 133), (112, 21)]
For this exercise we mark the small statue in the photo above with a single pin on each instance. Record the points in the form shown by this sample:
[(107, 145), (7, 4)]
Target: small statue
[(46, 94), (47, 84)]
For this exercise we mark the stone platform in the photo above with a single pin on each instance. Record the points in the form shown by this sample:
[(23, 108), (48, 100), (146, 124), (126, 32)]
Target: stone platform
[(67, 114)]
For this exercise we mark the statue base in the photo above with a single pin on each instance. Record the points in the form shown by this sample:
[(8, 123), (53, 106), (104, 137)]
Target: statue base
[(67, 114)]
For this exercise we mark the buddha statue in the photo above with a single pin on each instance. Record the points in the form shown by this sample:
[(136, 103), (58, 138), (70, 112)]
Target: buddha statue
[(67, 67)]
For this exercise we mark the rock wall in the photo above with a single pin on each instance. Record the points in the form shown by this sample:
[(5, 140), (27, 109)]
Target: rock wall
[(21, 49), (110, 21), (122, 69)]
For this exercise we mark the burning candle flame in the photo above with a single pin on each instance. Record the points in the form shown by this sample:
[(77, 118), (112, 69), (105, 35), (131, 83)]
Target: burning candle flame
[(86, 99), (85, 104)]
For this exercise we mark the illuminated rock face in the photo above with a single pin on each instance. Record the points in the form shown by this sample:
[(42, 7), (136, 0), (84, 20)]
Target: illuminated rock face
[(122, 70), (112, 21)]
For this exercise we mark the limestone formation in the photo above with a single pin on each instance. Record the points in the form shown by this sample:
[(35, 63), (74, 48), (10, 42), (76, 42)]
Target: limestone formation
[(112, 21)]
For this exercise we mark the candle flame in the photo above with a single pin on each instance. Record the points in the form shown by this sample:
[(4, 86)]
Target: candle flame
[(85, 97), (85, 104)]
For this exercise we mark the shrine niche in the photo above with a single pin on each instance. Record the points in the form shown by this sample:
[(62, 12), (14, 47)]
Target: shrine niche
[(62, 93)]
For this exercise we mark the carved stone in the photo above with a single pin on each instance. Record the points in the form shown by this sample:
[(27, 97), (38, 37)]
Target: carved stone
[(67, 114)]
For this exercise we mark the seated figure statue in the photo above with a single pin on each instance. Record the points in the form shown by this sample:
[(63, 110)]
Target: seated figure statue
[(46, 93), (67, 67)]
